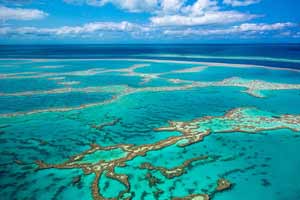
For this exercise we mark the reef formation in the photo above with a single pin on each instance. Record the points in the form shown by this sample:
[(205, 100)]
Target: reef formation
[(248, 120), (254, 88)]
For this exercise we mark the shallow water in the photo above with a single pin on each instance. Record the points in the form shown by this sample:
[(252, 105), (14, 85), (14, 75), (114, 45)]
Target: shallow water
[(263, 164)]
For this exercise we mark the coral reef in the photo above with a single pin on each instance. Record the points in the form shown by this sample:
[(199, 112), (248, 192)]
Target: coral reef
[(193, 197), (249, 120), (254, 88), (223, 184), (175, 171), (111, 123)]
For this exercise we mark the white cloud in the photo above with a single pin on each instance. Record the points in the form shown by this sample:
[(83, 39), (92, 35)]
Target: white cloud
[(296, 35), (135, 5), (246, 28), (86, 29), (214, 17), (264, 27), (128, 30), (201, 12), (200, 6), (176, 12), (130, 5), (135, 30), (4, 30), (171, 6), (101, 26), (157, 6), (168, 18), (20, 14), (240, 2)]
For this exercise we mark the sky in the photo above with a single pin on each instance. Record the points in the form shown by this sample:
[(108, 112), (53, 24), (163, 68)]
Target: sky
[(149, 21)]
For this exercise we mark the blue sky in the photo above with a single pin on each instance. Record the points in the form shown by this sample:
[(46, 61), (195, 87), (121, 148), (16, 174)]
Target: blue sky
[(149, 21)]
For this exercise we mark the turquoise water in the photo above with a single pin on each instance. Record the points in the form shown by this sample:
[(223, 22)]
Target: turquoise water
[(35, 126), (217, 73)]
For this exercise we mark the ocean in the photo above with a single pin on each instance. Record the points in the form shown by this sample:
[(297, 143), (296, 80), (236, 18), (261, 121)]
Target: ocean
[(283, 55), (161, 121)]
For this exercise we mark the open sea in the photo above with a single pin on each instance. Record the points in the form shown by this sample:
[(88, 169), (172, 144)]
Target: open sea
[(219, 122)]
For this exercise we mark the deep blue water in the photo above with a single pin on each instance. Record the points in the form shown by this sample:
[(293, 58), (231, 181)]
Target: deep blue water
[(242, 53)]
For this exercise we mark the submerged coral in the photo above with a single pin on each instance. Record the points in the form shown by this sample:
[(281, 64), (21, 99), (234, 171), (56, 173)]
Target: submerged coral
[(248, 120)]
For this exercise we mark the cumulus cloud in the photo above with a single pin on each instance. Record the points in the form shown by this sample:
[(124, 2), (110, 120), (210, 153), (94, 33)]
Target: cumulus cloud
[(201, 12), (134, 5), (240, 2), (176, 18), (115, 30), (20, 14), (200, 6), (4, 30), (154, 6), (146, 31), (207, 18), (130, 5), (248, 28), (171, 6), (101, 26), (264, 27), (176, 12), (86, 29)]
